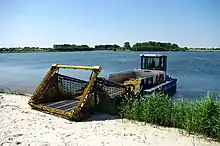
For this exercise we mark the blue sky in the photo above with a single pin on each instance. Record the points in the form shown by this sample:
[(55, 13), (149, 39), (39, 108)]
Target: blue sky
[(191, 23)]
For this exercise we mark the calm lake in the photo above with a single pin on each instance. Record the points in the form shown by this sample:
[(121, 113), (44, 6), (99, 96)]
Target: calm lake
[(197, 72)]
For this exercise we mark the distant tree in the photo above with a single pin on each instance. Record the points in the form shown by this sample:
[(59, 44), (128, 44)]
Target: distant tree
[(155, 46), (73, 47), (107, 47), (127, 46)]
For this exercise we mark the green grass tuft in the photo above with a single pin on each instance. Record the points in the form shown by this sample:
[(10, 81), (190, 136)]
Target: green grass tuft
[(200, 117)]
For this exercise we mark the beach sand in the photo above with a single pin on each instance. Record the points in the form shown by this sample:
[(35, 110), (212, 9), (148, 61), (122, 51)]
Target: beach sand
[(20, 125)]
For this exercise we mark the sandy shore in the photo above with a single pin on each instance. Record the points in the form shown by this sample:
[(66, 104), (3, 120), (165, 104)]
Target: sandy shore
[(20, 125)]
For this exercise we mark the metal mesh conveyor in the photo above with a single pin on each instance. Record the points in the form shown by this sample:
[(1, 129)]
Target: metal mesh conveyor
[(63, 95), (73, 98)]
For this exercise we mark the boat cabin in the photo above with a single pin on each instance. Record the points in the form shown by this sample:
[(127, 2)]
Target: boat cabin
[(152, 71), (154, 62)]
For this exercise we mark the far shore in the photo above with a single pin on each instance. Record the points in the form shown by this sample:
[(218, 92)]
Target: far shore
[(7, 52), (149, 46)]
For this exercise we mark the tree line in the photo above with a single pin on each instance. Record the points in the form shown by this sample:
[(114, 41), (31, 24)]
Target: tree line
[(143, 46), (156, 46), (73, 47), (23, 49)]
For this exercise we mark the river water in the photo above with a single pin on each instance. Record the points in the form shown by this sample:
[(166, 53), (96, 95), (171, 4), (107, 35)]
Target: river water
[(197, 72)]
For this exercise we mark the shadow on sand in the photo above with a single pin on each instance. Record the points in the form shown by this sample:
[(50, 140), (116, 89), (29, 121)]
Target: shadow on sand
[(101, 117)]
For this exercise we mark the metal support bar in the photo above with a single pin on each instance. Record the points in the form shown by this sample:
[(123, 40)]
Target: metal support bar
[(38, 91), (77, 67), (87, 90)]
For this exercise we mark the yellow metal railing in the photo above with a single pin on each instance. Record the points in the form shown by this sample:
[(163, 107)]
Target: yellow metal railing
[(87, 90), (77, 67), (38, 91)]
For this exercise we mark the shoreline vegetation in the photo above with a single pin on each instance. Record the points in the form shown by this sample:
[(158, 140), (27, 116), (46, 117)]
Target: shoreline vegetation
[(199, 117), (143, 46)]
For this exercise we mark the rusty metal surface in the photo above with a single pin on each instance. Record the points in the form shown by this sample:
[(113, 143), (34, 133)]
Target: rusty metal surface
[(112, 89)]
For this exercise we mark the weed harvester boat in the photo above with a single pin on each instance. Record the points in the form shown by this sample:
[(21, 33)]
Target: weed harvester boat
[(151, 77), (76, 99)]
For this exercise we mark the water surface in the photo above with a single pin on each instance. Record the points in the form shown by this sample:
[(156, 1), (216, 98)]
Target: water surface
[(197, 72)]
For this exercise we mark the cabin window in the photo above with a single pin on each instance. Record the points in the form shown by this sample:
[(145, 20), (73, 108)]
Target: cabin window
[(153, 63)]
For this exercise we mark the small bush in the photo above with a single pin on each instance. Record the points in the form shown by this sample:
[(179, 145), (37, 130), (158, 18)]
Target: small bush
[(201, 116), (157, 110), (207, 115), (131, 110)]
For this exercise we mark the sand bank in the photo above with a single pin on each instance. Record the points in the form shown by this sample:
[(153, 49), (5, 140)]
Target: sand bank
[(20, 125)]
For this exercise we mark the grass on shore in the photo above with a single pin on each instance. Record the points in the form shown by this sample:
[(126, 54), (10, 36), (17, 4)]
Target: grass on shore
[(197, 117)]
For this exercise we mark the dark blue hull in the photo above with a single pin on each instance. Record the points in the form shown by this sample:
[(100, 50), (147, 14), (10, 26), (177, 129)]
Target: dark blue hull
[(168, 87)]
